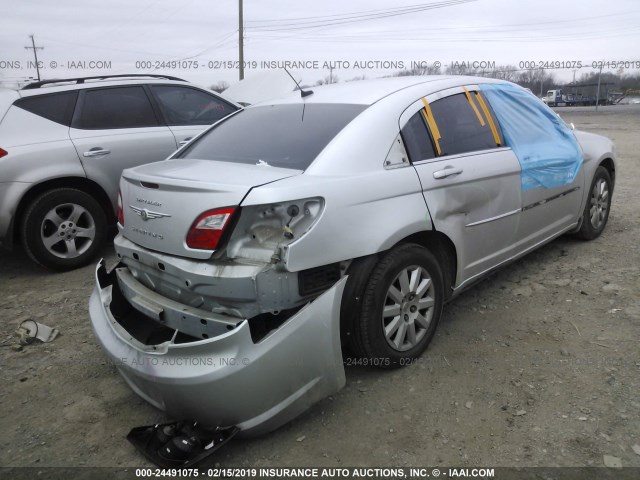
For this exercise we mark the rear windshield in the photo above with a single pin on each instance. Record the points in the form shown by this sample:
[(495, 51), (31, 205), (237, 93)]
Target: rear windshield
[(285, 136)]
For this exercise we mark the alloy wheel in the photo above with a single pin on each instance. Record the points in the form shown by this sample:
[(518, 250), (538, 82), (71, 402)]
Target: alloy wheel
[(408, 308), (68, 230)]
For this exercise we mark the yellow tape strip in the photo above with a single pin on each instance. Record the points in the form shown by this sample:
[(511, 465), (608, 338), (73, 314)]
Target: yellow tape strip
[(473, 105), (433, 126), (494, 130)]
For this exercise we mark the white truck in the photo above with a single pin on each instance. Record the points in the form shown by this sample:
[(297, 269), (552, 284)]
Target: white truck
[(557, 98)]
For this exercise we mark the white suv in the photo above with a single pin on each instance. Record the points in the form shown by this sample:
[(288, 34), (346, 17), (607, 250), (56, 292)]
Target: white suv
[(64, 144)]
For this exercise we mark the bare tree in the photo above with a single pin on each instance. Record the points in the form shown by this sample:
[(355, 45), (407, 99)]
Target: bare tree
[(422, 70), (537, 80), (504, 72), (327, 80), (461, 69), (219, 87), (630, 81)]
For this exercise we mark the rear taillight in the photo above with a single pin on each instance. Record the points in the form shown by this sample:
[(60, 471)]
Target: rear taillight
[(120, 210), (3, 152), (206, 231)]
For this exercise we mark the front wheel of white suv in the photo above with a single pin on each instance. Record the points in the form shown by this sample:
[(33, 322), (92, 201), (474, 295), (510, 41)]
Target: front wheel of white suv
[(63, 229)]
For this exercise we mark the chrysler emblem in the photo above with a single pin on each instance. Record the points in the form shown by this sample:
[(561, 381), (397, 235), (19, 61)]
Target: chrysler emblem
[(147, 214)]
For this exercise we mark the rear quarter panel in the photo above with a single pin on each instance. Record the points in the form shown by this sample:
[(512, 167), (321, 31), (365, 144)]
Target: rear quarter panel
[(7, 97), (363, 214), (39, 149)]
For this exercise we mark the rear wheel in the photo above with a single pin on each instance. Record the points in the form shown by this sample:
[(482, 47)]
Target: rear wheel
[(596, 211), (401, 306), (63, 229)]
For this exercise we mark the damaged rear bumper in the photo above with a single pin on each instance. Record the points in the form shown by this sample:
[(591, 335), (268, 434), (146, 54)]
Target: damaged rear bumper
[(227, 379)]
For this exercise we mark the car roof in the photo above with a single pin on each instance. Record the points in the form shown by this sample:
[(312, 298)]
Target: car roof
[(71, 84), (368, 92)]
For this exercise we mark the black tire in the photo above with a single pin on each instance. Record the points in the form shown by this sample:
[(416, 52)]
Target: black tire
[(70, 215), (596, 211), (370, 336)]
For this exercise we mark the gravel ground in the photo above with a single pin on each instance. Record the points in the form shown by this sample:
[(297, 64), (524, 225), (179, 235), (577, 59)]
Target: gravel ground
[(539, 365)]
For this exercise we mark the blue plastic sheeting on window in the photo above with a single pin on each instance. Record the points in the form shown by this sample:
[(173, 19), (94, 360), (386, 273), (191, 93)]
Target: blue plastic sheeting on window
[(548, 153)]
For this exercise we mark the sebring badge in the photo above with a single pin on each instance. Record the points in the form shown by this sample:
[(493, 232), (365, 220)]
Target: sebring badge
[(148, 214)]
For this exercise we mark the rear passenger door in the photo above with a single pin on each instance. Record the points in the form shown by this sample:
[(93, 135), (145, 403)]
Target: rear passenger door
[(188, 111), (470, 181), (114, 128)]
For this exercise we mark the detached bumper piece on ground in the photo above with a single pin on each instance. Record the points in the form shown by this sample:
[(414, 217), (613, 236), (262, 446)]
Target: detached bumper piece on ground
[(179, 444)]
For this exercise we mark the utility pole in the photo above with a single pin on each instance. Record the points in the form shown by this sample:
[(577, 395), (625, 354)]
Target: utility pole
[(541, 80), (241, 39), (598, 92), (35, 53)]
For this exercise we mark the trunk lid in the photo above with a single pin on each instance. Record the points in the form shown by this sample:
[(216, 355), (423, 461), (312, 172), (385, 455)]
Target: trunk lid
[(161, 200)]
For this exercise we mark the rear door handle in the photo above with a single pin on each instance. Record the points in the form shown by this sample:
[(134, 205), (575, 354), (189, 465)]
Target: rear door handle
[(96, 152), (446, 172), (182, 143)]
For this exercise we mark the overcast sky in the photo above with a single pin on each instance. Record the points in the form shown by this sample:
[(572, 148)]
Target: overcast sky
[(124, 33)]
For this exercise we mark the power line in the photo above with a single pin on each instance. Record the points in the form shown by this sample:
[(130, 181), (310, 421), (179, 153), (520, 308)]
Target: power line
[(353, 17), (326, 17), (350, 18), (365, 14), (464, 37), (377, 36), (489, 28)]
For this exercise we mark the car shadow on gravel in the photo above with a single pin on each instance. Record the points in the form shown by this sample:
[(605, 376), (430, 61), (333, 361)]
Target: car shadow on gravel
[(521, 268), (17, 264)]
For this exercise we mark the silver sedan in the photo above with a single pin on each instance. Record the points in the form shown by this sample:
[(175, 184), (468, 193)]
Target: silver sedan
[(328, 225)]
